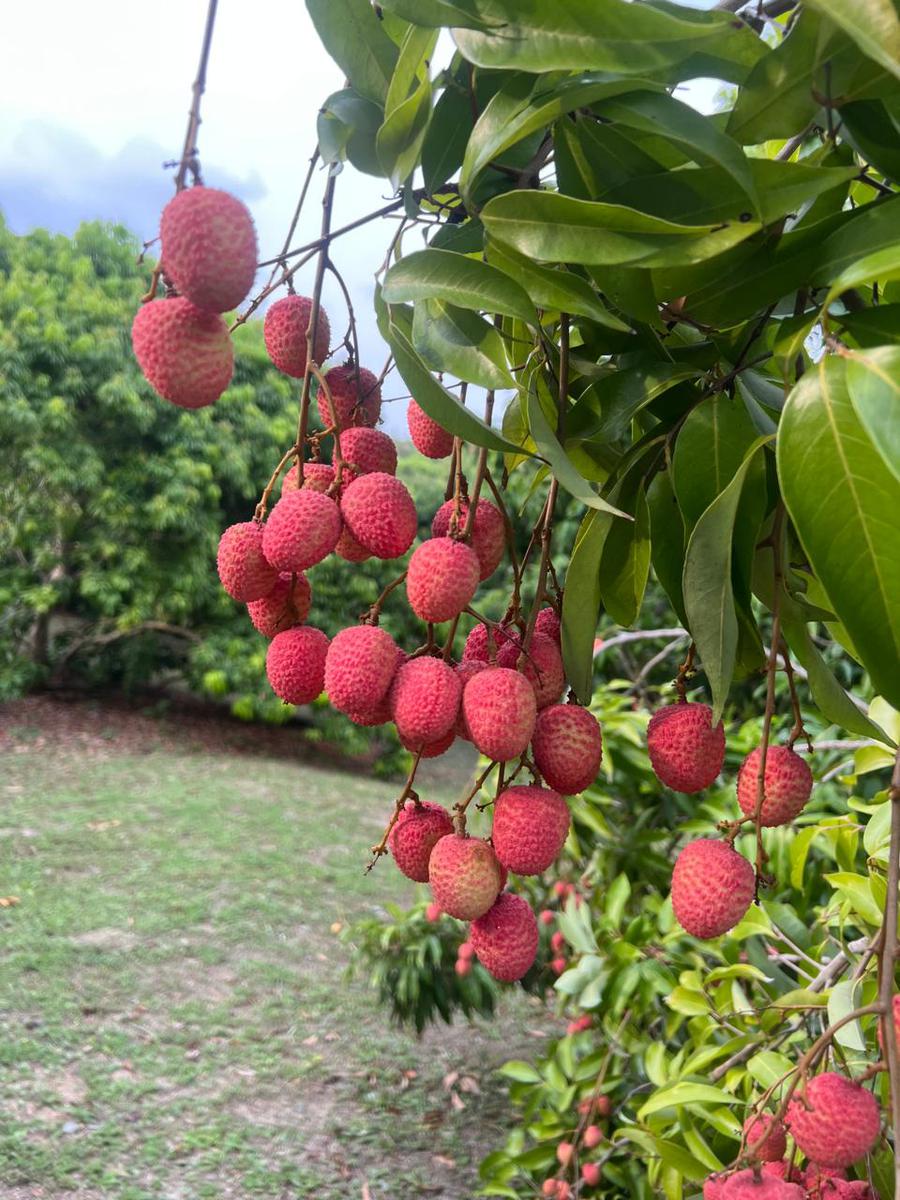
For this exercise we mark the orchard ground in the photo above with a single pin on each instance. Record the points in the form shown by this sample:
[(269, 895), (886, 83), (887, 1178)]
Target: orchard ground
[(175, 1019)]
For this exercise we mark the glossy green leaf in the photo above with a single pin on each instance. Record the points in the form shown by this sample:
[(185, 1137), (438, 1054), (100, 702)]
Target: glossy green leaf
[(873, 24), (460, 342), (869, 126), (521, 1072), (347, 125), (857, 890), (843, 999), (465, 282), (710, 448), (883, 265), (625, 564), (684, 1093), (624, 393), (447, 137), (873, 326), (873, 382), (352, 35), (581, 603), (399, 140), (768, 1067), (667, 534), (552, 288)]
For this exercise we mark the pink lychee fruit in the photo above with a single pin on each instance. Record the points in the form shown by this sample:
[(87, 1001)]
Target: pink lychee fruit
[(782, 1170), (559, 965), (542, 666), (465, 878), (839, 1122), (419, 827), (379, 715), (354, 402), (546, 916), (478, 644), (243, 570), (506, 937), (317, 476), (567, 747), (287, 604), (295, 664), (500, 710), (368, 450), (184, 352), (302, 529), (713, 1186), (592, 1173), (462, 966), (349, 549), (788, 783), (564, 1152), (466, 950), (433, 912), (430, 749), (426, 435), (547, 623), (820, 1181), (765, 1137), (424, 699), (530, 828), (548, 1187), (380, 513), (748, 1185), (686, 752), (488, 537), (208, 247), (558, 941), (593, 1136), (360, 667), (712, 887), (284, 330), (441, 579)]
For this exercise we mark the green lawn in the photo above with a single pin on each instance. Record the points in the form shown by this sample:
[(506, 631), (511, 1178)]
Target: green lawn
[(175, 1020)]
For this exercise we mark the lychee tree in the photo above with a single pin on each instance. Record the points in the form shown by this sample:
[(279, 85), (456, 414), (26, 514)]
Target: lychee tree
[(689, 323)]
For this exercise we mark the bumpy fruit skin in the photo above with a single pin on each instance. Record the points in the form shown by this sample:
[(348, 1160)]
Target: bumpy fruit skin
[(712, 888), (477, 646), (548, 623), (530, 827), (488, 531), (441, 579), (369, 717), (567, 747), (349, 549), (782, 1170), (284, 330), (380, 514), (500, 710), (765, 1137), (685, 751), (360, 666), (302, 529), (287, 604), (419, 827), (243, 570), (426, 435), (368, 450), (542, 667), (433, 912), (185, 353), (295, 664), (820, 1182), (841, 1124), (788, 784), (713, 1186), (465, 878), (430, 749), (745, 1185), (208, 247), (352, 404), (506, 937), (424, 700), (591, 1173), (317, 476)]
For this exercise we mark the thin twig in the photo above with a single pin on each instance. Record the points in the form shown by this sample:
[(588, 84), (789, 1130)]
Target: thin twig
[(189, 155)]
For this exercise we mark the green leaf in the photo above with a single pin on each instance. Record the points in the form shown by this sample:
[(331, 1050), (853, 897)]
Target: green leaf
[(460, 342), (857, 889), (684, 1093), (399, 140), (873, 326), (768, 1066), (624, 393), (843, 501), (873, 25), (347, 125), (465, 282), (883, 265), (667, 539), (522, 1072), (581, 603), (552, 288), (870, 129), (447, 137), (352, 35), (710, 447), (841, 1001), (873, 381), (625, 564)]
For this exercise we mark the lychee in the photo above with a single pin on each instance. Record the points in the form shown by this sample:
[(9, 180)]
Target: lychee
[(424, 699), (592, 1173), (208, 247), (356, 401), (349, 549), (317, 476), (500, 710), (419, 827), (368, 450), (765, 1138), (466, 950), (567, 747), (360, 666), (380, 514), (243, 570), (506, 937), (686, 752), (783, 1170), (593, 1136), (295, 664), (478, 646), (895, 1011), (820, 1181), (713, 1186), (430, 749), (788, 783), (287, 604), (564, 1152), (462, 966), (441, 579), (433, 912), (839, 1122), (748, 1185), (488, 537), (542, 666), (465, 671), (284, 329), (302, 529), (426, 435), (547, 623), (559, 965), (465, 879), (546, 916), (185, 353), (712, 887), (558, 941), (530, 827), (379, 715)]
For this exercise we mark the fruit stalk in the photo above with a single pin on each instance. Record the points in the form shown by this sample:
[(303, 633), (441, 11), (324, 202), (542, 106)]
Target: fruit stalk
[(189, 159)]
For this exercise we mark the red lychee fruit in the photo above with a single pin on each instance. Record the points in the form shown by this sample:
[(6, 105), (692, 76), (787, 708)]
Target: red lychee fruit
[(558, 941), (530, 827), (426, 435), (895, 1009), (243, 570), (820, 1181), (360, 666), (368, 450), (354, 403), (788, 784), (433, 912), (685, 751), (185, 353), (853, 1189), (441, 579), (419, 827), (478, 643), (548, 1187), (591, 1173), (506, 937), (563, 1190), (208, 247), (462, 966), (564, 1152), (465, 671), (295, 664), (500, 710), (747, 1185), (424, 699), (466, 950), (380, 514), (840, 1125), (302, 529), (488, 538), (765, 1137), (712, 888), (542, 667), (567, 747), (559, 965), (782, 1170), (546, 916), (431, 749), (379, 715), (465, 878), (318, 477), (284, 330), (593, 1136), (560, 889), (547, 623), (287, 604), (349, 549)]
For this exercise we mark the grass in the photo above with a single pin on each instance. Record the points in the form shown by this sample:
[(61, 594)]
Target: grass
[(176, 1019)]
